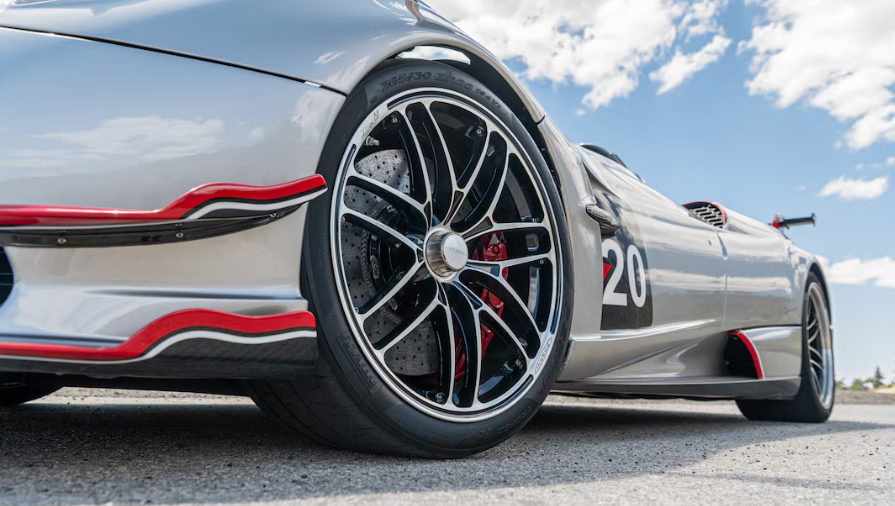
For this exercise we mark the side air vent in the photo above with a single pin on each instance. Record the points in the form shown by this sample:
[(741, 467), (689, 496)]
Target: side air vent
[(708, 212), (739, 357), (5, 277)]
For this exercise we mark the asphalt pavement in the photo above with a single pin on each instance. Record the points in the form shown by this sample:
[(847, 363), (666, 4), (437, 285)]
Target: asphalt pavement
[(118, 447)]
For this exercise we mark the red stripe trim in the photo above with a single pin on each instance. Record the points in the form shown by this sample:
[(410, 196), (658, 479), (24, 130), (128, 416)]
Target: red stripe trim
[(164, 327), (752, 352), (71, 216)]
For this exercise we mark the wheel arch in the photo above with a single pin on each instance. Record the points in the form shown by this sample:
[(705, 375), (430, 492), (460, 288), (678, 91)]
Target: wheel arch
[(817, 270)]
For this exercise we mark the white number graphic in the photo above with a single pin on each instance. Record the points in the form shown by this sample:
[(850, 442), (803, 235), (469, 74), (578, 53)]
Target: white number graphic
[(610, 296), (639, 296), (637, 284)]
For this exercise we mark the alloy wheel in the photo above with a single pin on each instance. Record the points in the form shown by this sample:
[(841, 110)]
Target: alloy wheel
[(820, 348), (446, 255)]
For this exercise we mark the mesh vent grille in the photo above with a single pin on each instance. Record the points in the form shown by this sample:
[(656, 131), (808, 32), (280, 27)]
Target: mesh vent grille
[(6, 277), (707, 212), (738, 360)]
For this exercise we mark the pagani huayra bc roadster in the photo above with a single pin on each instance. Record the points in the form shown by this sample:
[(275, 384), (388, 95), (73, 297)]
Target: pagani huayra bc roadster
[(387, 253)]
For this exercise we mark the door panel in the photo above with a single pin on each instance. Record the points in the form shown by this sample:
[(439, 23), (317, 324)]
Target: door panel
[(761, 285), (682, 273)]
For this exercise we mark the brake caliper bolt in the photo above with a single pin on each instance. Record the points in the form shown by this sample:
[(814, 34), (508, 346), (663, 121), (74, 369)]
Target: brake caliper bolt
[(371, 142), (519, 363), (480, 131), (179, 235), (439, 397), (62, 240), (394, 120)]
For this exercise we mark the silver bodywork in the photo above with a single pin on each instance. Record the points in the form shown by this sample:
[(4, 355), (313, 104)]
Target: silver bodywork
[(130, 103)]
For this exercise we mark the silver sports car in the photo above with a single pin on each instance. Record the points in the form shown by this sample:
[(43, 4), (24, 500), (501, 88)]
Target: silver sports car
[(387, 253)]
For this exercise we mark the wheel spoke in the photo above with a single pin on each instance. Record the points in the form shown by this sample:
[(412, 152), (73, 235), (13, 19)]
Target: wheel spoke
[(495, 268), (394, 197), (391, 289), (812, 323), (506, 331), (419, 172), (464, 190), (466, 306), (484, 210), (816, 352), (396, 338), (817, 364), (481, 161), (377, 227), (816, 379), (487, 227), (813, 335), (451, 354), (447, 193), (523, 323)]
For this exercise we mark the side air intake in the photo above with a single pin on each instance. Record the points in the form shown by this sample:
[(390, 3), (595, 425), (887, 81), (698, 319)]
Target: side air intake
[(708, 212), (6, 277), (740, 358)]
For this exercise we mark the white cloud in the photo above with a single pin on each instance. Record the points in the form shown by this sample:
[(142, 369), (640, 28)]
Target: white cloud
[(601, 45), (890, 161), (702, 18), (256, 133), (683, 66), (832, 54), (854, 271), (580, 112), (856, 189)]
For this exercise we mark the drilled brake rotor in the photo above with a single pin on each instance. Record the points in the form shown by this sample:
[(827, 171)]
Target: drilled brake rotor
[(417, 354)]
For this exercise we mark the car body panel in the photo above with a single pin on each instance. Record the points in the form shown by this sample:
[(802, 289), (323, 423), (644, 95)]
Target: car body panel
[(139, 101), (73, 135), (253, 34)]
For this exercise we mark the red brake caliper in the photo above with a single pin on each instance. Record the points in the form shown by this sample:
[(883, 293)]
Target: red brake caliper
[(492, 248)]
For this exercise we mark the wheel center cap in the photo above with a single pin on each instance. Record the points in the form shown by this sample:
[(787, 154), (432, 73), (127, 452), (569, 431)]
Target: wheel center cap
[(446, 253)]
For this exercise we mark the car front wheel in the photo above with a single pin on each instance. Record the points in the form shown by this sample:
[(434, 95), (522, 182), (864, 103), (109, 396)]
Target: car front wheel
[(439, 270)]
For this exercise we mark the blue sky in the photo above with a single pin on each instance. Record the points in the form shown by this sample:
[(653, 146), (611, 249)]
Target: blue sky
[(709, 138)]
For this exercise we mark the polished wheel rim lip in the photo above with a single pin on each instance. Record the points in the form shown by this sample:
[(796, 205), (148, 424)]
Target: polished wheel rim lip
[(820, 347), (534, 365)]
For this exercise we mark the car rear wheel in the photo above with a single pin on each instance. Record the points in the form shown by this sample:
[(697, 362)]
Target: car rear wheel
[(438, 268), (814, 401), (18, 388)]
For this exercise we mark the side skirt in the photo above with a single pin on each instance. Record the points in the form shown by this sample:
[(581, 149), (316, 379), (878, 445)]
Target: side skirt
[(187, 344), (721, 388)]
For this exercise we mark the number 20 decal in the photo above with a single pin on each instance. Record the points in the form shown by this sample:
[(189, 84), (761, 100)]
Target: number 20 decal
[(632, 262)]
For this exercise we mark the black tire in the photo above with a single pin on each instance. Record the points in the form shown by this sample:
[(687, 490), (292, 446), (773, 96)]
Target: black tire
[(17, 388), (806, 406), (346, 404)]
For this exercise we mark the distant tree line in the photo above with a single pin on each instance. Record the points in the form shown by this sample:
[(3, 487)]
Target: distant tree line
[(861, 385)]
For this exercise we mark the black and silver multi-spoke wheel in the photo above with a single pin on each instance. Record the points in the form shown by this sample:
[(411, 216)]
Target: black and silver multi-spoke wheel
[(439, 270), (814, 401)]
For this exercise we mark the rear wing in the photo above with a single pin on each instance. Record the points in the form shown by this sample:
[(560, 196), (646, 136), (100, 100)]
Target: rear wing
[(781, 222)]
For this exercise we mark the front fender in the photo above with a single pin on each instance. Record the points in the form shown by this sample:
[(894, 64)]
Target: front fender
[(332, 44)]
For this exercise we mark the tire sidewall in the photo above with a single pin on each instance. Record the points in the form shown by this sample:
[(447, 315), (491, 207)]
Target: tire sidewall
[(337, 342), (806, 389)]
